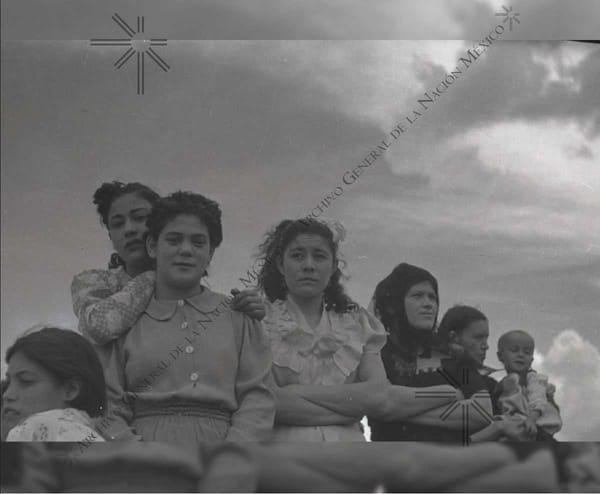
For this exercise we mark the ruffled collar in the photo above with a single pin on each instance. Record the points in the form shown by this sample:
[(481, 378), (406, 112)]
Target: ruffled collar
[(329, 353)]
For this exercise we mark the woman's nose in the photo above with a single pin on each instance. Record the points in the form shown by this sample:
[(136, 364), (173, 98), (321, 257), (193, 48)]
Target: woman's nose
[(308, 264), (9, 393)]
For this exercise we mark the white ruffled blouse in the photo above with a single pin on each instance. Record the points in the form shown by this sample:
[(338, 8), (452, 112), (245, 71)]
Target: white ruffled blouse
[(326, 355), (68, 424)]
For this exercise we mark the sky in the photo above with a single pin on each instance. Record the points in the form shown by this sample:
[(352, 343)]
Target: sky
[(495, 187)]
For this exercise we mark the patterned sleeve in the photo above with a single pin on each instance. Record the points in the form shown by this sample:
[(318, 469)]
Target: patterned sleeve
[(105, 309)]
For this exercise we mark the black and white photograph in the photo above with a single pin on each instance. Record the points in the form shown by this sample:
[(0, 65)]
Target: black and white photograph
[(300, 246)]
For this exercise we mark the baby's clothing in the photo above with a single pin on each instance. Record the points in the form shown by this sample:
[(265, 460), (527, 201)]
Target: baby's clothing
[(515, 399)]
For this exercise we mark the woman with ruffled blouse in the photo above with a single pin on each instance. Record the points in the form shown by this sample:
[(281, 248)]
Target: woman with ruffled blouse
[(327, 371)]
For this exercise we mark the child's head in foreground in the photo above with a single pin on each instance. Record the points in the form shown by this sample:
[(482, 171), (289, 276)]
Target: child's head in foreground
[(52, 369), (515, 351)]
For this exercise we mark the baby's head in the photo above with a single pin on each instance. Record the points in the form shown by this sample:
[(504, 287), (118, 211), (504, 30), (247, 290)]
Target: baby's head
[(515, 351)]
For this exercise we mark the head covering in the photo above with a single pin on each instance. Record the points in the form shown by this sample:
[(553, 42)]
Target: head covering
[(388, 306)]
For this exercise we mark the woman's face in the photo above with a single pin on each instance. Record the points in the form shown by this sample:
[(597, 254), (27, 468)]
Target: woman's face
[(307, 265), (421, 306), (182, 252), (474, 340), (127, 226), (31, 389)]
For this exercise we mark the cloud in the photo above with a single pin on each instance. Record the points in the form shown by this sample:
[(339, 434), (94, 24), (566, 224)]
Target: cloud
[(573, 364)]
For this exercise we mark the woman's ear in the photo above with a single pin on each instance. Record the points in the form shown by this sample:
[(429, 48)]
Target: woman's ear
[(151, 247), (71, 389), (279, 264)]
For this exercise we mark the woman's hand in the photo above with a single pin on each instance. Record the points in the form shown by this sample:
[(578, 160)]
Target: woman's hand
[(512, 427), (249, 302)]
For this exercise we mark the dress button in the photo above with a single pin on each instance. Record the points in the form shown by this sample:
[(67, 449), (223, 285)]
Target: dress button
[(184, 324), (180, 303), (194, 376), (189, 349)]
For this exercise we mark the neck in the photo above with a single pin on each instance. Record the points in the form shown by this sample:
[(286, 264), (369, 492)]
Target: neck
[(135, 269), (310, 307), (165, 292)]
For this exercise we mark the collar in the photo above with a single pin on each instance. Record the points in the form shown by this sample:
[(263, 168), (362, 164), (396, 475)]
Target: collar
[(163, 310)]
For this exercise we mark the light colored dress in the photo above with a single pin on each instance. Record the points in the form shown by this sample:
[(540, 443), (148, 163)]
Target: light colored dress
[(326, 355), (190, 371), (515, 399), (108, 302), (67, 424)]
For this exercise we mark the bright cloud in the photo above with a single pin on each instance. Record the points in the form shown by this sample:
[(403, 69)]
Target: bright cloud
[(573, 364)]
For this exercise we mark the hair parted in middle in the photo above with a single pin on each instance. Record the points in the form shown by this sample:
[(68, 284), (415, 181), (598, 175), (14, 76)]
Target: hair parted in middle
[(270, 279), (457, 318), (187, 203)]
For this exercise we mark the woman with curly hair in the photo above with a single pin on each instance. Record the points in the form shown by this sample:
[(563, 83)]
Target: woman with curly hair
[(108, 302), (327, 371), (191, 369)]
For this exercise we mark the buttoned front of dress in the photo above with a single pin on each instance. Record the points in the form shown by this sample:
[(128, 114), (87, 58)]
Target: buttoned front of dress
[(186, 357)]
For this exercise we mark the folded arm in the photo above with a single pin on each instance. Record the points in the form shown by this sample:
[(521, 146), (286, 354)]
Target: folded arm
[(105, 310)]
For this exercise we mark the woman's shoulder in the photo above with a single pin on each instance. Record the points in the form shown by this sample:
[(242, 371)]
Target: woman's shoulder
[(55, 425), (358, 318), (115, 276)]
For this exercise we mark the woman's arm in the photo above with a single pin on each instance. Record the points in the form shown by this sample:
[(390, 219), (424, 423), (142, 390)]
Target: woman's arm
[(477, 410), (114, 425), (376, 397), (509, 427), (105, 310), (293, 409), (253, 420)]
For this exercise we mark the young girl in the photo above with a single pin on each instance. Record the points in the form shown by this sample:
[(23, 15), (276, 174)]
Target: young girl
[(108, 302), (327, 371), (523, 391), (55, 386), (190, 369)]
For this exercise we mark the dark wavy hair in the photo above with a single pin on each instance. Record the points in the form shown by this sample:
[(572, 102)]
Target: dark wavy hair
[(272, 282), (187, 203), (108, 192), (389, 306), (457, 319), (67, 355)]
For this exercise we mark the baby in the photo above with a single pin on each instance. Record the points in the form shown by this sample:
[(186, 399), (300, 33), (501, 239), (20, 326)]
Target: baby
[(525, 392)]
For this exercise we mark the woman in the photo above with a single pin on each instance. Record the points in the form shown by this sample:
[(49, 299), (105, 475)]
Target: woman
[(414, 355), (108, 302), (54, 387), (327, 372), (191, 369)]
